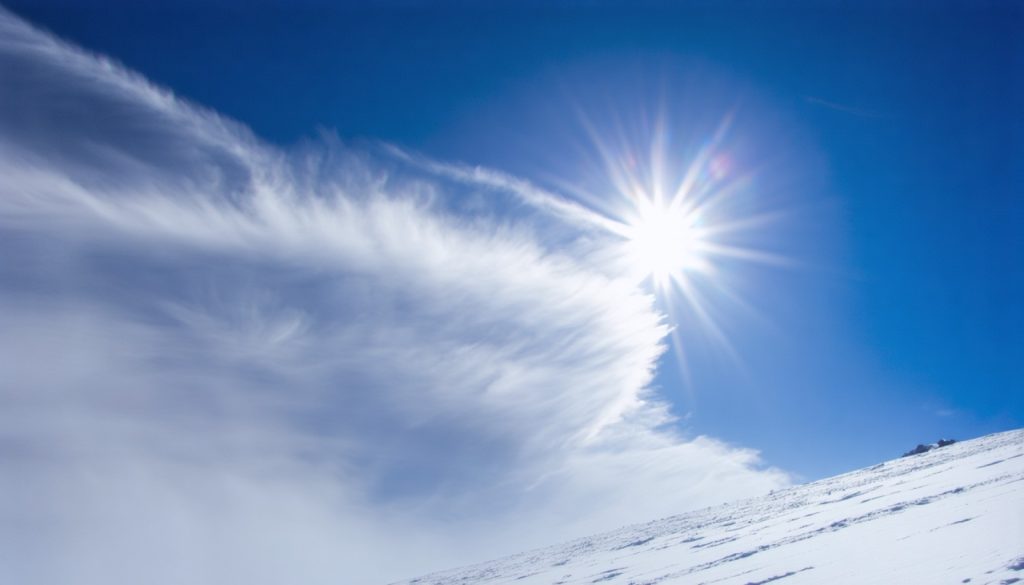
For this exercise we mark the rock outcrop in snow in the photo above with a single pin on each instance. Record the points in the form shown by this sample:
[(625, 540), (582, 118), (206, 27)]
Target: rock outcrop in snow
[(950, 515), (922, 448)]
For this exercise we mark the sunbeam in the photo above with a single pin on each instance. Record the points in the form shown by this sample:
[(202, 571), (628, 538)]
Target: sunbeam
[(679, 229)]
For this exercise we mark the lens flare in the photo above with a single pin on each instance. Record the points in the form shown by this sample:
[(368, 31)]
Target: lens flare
[(681, 222)]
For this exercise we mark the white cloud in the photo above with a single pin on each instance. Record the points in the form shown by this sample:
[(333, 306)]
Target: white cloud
[(228, 363)]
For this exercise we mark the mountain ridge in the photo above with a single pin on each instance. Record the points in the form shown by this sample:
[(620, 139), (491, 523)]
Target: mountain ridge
[(934, 517)]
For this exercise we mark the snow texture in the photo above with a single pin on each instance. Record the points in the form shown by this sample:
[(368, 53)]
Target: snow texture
[(950, 515)]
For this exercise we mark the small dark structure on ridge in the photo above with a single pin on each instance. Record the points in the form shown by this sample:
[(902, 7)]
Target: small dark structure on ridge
[(925, 448)]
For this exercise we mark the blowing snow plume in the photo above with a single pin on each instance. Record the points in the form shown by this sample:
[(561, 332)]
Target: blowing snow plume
[(226, 362)]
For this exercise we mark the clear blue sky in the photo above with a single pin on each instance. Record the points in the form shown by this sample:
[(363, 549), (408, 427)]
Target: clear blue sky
[(903, 321)]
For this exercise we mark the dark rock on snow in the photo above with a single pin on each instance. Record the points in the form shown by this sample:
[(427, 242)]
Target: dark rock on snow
[(925, 448)]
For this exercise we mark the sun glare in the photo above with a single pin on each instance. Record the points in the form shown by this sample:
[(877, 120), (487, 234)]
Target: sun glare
[(662, 240), (684, 220), (680, 218)]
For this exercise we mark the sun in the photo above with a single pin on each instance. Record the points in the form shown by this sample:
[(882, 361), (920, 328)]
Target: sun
[(684, 220), (663, 240)]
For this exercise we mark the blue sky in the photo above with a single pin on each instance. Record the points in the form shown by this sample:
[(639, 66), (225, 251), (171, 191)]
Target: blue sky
[(388, 211)]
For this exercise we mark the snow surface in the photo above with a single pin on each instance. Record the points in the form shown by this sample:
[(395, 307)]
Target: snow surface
[(952, 515)]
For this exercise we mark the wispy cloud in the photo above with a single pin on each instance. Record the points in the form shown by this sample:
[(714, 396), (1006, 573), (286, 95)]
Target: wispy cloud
[(856, 111), (224, 362), (526, 191)]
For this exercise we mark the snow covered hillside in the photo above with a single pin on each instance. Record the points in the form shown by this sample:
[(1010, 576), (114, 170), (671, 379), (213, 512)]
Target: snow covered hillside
[(951, 515)]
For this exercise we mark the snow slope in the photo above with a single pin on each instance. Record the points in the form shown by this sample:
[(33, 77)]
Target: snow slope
[(951, 515)]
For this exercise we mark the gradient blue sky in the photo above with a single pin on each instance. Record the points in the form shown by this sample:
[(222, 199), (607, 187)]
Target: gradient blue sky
[(889, 135), (905, 324)]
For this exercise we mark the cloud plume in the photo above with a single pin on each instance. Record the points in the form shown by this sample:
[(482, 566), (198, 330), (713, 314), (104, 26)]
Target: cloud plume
[(228, 362)]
